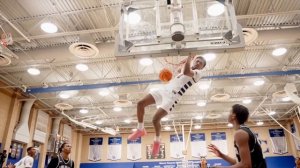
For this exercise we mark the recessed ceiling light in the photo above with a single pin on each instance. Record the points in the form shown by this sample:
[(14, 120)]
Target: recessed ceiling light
[(259, 82), (167, 128), (272, 112), (98, 122), (259, 123), (279, 52), (104, 92), (127, 121), (200, 117), (82, 67), (197, 127), (133, 18), (146, 61), (209, 56), (247, 101), (33, 71), (117, 109), (64, 96), (49, 27), (67, 94), (133, 129), (83, 111), (164, 119), (285, 99), (201, 103), (216, 9), (229, 125), (204, 86)]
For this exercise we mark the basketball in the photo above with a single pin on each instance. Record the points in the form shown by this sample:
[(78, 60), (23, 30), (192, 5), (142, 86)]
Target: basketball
[(165, 75)]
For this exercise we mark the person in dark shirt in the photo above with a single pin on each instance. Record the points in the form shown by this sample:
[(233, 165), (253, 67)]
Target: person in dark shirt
[(2, 158), (248, 150), (63, 158)]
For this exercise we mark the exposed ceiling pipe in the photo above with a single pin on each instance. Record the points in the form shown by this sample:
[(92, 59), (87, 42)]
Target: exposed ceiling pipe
[(106, 85), (14, 27)]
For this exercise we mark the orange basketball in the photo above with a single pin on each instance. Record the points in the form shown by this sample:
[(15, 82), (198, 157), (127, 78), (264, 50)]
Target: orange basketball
[(165, 75)]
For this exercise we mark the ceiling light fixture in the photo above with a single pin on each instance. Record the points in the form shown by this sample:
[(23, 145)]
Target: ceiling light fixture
[(82, 67), (104, 92), (204, 86), (229, 125), (209, 56), (285, 99), (247, 101), (197, 127), (259, 82), (167, 128), (199, 117), (201, 103), (49, 27), (133, 18), (117, 109), (98, 122), (33, 71), (259, 123), (146, 61), (164, 119), (127, 121), (272, 112), (279, 52), (64, 96), (83, 111), (216, 9)]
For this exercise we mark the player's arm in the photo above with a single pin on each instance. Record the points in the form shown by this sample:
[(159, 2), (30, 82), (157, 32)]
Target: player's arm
[(187, 67), (214, 149), (241, 139)]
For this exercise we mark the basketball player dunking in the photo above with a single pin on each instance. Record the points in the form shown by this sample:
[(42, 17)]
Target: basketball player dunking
[(166, 98)]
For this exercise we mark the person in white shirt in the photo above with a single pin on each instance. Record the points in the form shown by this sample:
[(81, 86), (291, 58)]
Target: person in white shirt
[(27, 161), (167, 97)]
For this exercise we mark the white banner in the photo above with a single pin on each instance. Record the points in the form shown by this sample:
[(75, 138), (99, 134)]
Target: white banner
[(219, 140), (95, 149), (134, 149), (198, 145), (176, 146), (114, 148), (296, 133), (278, 141)]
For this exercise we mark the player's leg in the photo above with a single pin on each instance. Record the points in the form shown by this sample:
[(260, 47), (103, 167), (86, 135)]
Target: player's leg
[(146, 101), (157, 126)]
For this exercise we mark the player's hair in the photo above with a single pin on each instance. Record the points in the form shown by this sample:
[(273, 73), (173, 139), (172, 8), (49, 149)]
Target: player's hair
[(241, 112)]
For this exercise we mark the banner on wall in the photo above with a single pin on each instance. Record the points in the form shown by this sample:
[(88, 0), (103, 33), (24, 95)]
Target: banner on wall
[(296, 133), (134, 149), (95, 149), (263, 144), (176, 146), (198, 145), (161, 153), (279, 144), (114, 148), (219, 139)]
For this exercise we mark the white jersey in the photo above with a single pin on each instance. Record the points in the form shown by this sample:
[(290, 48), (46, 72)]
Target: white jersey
[(169, 95), (182, 82), (26, 162)]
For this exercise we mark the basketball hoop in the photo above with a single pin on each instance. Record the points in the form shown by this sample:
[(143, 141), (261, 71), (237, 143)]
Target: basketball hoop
[(6, 39)]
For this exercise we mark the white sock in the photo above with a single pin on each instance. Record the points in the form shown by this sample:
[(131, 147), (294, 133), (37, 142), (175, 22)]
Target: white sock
[(140, 126), (157, 138)]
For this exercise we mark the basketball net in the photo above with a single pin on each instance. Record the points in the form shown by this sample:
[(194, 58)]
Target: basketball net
[(174, 66)]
